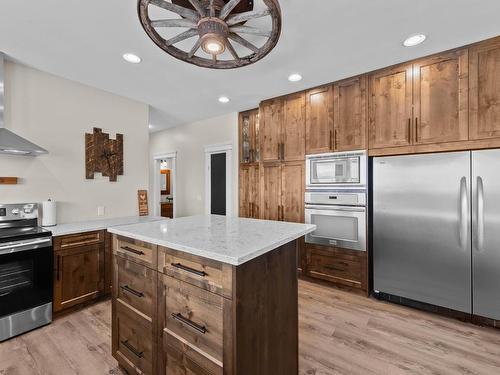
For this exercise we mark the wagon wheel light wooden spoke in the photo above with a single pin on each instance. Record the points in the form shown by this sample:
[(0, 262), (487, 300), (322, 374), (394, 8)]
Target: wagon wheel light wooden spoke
[(215, 22)]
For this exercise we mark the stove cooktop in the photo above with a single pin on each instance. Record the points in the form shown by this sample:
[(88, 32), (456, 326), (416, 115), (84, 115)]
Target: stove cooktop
[(21, 233)]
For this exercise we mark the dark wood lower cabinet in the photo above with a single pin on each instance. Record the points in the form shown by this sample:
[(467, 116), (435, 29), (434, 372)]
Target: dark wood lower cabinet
[(79, 266), (185, 315), (345, 268)]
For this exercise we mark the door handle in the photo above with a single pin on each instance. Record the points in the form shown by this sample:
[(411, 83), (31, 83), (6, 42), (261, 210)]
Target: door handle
[(128, 289), (335, 139), (133, 251), (416, 129), (409, 130), (134, 351), (182, 267), (189, 323), (463, 213), (480, 214), (282, 152), (331, 140), (58, 267)]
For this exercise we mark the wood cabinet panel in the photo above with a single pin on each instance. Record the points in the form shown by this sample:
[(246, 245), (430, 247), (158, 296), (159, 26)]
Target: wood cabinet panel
[(136, 251), (293, 128), (440, 98), (194, 315), (249, 191), (132, 340), (167, 210), (350, 114), (79, 275), (390, 107), (78, 239), (271, 121), (136, 286), (271, 191), (293, 184), (249, 136), (319, 120), (484, 94)]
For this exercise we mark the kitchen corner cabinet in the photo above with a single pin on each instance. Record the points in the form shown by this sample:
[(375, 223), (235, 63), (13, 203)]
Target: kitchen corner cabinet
[(249, 191), (249, 136), (484, 91), (78, 269), (350, 114), (282, 187), (319, 120), (271, 119)]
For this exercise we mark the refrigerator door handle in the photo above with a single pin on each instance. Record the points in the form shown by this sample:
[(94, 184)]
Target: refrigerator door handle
[(463, 214), (480, 214)]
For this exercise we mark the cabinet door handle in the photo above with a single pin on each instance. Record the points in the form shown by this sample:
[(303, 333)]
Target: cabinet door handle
[(409, 130), (282, 151), (189, 323), (189, 269), (331, 140), (58, 267), (136, 293), (134, 351), (335, 139), (134, 251), (416, 129)]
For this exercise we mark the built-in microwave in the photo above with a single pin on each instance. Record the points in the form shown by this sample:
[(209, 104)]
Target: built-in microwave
[(347, 169)]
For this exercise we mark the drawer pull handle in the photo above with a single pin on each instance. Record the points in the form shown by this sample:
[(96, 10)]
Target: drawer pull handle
[(126, 288), (132, 349), (189, 269), (134, 251), (189, 323)]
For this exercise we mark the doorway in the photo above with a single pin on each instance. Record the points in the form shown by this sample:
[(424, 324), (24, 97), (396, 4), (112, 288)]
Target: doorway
[(164, 185), (218, 160)]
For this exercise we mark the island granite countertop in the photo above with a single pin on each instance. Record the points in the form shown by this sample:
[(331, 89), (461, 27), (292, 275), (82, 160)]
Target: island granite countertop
[(230, 240)]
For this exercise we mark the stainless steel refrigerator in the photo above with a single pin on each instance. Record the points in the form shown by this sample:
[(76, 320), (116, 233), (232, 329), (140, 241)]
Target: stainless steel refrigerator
[(436, 229)]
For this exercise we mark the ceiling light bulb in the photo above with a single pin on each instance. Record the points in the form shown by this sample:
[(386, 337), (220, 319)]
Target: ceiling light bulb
[(295, 77), (224, 99), (414, 40), (131, 58), (214, 47)]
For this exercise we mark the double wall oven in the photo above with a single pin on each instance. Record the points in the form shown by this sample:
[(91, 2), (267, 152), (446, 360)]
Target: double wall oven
[(26, 267), (336, 199)]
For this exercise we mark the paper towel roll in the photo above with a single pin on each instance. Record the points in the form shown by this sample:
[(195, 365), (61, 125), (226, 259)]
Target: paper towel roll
[(49, 210)]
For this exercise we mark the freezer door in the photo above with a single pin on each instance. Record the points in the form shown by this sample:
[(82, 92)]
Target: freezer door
[(421, 228), (486, 233)]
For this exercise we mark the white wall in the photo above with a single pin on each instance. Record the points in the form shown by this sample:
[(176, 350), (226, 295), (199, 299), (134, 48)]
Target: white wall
[(55, 113), (189, 141)]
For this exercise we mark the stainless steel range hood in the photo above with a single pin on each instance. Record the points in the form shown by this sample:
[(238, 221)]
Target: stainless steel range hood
[(11, 143)]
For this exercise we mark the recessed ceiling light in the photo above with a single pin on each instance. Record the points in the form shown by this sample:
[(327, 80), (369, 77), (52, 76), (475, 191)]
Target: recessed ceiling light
[(131, 58), (414, 40), (295, 77), (150, 126), (224, 99)]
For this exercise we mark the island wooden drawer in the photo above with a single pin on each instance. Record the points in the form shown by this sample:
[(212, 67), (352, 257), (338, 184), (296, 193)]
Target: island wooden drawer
[(133, 340), (137, 251), (182, 359), (136, 285), (78, 240), (193, 314), (205, 273)]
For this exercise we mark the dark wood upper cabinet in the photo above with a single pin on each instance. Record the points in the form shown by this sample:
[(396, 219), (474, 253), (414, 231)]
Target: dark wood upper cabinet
[(319, 120), (293, 129), (271, 120), (440, 98), (390, 107), (249, 136), (350, 114), (484, 93)]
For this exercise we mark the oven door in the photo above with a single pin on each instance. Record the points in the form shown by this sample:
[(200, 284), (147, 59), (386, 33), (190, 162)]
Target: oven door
[(26, 278), (339, 226)]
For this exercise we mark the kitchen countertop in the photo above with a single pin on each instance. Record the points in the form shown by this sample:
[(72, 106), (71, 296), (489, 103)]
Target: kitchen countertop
[(87, 226), (226, 239)]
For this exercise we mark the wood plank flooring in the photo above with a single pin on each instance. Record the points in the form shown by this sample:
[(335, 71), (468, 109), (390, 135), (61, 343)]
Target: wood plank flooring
[(340, 333)]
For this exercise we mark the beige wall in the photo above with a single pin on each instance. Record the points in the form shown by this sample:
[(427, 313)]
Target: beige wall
[(189, 142), (55, 113)]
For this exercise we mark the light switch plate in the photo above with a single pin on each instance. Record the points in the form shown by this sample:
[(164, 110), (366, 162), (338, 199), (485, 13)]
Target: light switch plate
[(100, 210)]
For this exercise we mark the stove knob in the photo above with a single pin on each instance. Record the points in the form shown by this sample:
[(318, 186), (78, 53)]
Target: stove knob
[(15, 211)]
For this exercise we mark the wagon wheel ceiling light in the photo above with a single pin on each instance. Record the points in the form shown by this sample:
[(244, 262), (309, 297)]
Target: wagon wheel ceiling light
[(213, 33)]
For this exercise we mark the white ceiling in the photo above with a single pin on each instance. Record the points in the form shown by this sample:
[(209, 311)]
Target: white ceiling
[(324, 40)]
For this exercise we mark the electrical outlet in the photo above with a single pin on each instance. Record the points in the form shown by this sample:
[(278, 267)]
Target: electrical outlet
[(100, 210)]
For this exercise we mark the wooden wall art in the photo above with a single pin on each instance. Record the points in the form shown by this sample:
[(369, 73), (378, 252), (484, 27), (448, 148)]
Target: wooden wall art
[(8, 180), (142, 197), (103, 155)]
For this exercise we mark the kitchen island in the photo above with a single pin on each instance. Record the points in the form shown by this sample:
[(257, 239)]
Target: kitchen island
[(206, 295)]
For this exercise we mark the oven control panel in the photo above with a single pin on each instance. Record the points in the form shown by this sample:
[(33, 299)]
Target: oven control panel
[(17, 211)]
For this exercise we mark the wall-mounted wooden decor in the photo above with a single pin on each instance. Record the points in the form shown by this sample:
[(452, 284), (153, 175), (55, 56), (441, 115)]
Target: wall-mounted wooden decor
[(103, 155), (142, 197), (8, 180)]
